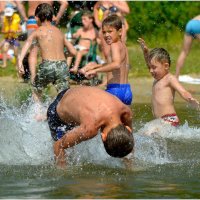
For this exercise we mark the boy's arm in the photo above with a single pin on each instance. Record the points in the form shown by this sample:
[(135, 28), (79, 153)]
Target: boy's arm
[(24, 50), (63, 6), (21, 9), (70, 47), (77, 34), (144, 49), (183, 92), (127, 118), (71, 138), (108, 67)]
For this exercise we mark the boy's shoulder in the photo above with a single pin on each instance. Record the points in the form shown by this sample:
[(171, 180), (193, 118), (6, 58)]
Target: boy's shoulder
[(50, 29), (119, 45), (169, 79)]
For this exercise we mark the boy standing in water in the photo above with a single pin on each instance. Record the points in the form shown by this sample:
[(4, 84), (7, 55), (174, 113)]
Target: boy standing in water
[(117, 67), (51, 40), (165, 84)]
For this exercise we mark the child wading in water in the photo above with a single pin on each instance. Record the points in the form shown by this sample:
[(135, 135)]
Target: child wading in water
[(165, 84), (117, 68), (51, 41)]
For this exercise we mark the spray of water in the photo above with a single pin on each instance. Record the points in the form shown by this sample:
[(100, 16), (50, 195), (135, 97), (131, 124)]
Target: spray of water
[(25, 141)]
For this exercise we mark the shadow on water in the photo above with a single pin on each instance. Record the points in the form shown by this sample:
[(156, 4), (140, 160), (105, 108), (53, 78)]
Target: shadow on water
[(164, 165)]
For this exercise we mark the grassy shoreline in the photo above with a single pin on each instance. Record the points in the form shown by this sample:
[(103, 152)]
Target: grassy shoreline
[(15, 92)]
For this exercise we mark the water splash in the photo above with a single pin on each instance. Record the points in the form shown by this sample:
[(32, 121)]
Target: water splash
[(24, 141), (160, 143)]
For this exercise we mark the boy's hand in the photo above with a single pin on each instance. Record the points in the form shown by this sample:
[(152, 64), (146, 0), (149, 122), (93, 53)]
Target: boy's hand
[(88, 67), (90, 74), (20, 67), (194, 103), (143, 45)]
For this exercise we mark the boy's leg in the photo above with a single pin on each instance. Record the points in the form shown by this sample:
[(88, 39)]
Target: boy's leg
[(5, 50), (187, 43), (62, 77), (16, 61), (79, 56), (16, 49), (69, 60), (32, 60)]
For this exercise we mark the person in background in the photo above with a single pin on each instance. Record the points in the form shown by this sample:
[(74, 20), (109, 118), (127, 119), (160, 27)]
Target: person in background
[(10, 28), (86, 35), (192, 31)]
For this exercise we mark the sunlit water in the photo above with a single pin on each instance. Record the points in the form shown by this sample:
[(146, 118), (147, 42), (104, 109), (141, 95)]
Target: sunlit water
[(164, 165)]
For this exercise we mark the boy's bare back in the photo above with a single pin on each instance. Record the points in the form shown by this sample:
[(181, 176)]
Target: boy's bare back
[(51, 42), (102, 105)]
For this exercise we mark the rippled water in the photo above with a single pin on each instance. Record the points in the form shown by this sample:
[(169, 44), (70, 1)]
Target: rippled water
[(165, 165)]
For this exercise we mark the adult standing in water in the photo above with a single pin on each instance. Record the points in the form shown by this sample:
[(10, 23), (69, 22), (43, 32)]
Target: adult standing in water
[(78, 113), (192, 31)]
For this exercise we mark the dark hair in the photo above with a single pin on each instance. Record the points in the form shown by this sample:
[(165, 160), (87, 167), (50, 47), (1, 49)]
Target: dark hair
[(119, 142), (114, 21), (160, 55), (88, 13), (44, 12)]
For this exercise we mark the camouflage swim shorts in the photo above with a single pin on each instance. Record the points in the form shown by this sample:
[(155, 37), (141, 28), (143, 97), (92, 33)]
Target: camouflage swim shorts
[(55, 72)]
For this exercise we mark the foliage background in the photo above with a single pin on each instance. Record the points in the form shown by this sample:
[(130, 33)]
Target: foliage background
[(161, 24), (160, 18)]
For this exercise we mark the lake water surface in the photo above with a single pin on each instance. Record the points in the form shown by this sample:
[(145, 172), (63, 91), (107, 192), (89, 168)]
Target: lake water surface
[(165, 165)]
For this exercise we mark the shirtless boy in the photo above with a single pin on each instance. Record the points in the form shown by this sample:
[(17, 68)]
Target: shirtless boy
[(87, 34), (165, 84), (32, 26), (77, 114), (53, 68), (117, 67)]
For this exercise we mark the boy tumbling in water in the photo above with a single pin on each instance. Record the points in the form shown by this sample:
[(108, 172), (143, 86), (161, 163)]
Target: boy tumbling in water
[(77, 114), (51, 40), (165, 84), (117, 67)]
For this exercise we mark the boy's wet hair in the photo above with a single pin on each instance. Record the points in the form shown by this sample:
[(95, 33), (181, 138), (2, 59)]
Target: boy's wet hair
[(88, 13), (113, 21), (160, 54), (119, 142), (44, 12)]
